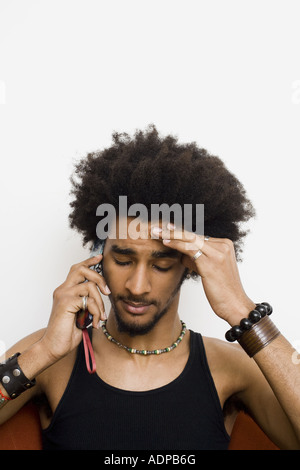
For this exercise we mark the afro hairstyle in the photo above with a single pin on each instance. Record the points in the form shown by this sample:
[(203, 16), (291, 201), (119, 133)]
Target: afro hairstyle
[(151, 169)]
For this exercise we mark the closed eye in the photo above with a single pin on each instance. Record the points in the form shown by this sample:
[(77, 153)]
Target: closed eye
[(126, 263)]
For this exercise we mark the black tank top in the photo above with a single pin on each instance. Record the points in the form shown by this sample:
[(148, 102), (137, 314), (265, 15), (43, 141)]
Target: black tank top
[(184, 414)]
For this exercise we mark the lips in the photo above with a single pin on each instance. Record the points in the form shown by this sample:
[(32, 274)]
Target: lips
[(136, 308)]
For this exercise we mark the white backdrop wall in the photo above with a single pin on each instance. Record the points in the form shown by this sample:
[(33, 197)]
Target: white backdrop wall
[(225, 74)]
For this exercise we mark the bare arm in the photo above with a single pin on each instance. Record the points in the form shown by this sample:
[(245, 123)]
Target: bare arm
[(283, 376), (275, 403), (42, 349), (241, 381)]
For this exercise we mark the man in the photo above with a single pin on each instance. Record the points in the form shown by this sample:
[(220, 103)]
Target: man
[(157, 384)]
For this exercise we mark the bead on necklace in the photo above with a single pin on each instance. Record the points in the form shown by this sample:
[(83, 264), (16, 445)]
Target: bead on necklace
[(145, 352)]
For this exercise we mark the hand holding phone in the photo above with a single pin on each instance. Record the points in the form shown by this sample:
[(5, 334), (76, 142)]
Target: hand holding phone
[(83, 317)]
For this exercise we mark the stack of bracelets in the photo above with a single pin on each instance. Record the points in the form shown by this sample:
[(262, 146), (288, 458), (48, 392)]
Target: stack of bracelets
[(255, 332)]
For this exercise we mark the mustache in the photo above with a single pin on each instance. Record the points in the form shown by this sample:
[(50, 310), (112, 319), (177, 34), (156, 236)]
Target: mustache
[(137, 300)]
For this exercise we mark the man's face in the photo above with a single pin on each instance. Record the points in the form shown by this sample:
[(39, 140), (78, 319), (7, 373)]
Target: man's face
[(144, 277)]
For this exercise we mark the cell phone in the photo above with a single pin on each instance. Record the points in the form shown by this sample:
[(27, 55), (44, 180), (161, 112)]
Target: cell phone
[(83, 317)]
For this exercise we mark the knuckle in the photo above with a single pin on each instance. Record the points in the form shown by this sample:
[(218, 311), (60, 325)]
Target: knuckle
[(56, 292), (91, 286), (81, 269), (226, 248), (191, 236), (228, 242), (77, 267), (73, 267), (220, 257)]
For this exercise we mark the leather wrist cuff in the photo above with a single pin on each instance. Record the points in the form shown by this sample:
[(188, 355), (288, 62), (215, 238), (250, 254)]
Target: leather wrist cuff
[(12, 377), (258, 336)]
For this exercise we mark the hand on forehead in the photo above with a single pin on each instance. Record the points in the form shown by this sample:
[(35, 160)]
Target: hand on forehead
[(135, 228)]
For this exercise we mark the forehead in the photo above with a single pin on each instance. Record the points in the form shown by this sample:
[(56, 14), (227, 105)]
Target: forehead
[(131, 238)]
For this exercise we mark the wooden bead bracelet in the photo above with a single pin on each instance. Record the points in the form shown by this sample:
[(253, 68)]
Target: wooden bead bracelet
[(256, 331)]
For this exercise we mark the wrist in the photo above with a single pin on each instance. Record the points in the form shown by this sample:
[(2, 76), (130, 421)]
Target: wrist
[(13, 378), (240, 311), (18, 372), (255, 332)]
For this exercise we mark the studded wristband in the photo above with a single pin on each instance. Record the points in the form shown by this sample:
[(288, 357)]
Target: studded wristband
[(12, 377)]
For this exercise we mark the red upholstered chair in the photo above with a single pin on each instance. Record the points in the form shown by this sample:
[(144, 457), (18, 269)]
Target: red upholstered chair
[(23, 432), (247, 435)]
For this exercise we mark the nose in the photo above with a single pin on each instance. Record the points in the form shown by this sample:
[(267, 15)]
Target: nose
[(138, 282)]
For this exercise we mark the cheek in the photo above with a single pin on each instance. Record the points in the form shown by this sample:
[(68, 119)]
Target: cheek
[(115, 277), (177, 273), (165, 283)]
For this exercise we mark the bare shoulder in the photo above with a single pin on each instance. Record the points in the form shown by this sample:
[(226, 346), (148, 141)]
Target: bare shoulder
[(225, 353), (221, 353), (231, 368)]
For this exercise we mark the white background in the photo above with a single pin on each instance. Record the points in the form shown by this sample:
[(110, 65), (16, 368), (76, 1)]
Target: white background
[(225, 74)]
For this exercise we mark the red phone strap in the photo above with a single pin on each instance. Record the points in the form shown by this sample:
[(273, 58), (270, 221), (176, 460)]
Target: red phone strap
[(88, 352)]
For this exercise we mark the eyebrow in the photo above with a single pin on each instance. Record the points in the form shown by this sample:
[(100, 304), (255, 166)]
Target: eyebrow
[(169, 253)]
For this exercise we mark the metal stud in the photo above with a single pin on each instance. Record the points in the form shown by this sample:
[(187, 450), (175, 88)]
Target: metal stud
[(5, 379), (16, 372)]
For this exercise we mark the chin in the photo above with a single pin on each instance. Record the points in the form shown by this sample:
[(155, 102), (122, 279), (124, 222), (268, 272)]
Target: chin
[(135, 325)]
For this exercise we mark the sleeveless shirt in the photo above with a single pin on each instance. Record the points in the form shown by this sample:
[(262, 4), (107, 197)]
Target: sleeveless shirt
[(184, 414)]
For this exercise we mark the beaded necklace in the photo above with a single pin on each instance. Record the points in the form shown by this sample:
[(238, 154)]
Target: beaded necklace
[(145, 352)]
